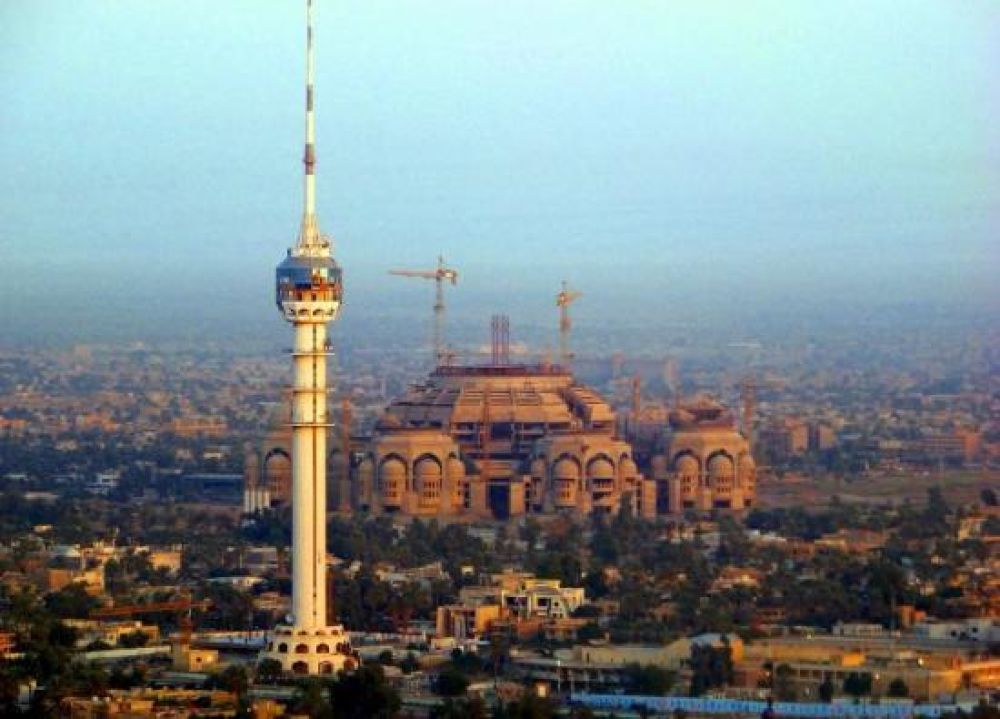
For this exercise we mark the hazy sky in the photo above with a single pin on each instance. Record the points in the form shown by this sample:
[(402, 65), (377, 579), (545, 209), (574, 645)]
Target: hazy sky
[(697, 151)]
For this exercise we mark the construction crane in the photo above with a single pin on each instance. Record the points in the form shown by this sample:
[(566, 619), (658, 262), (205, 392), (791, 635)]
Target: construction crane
[(439, 275), (182, 606), (564, 299)]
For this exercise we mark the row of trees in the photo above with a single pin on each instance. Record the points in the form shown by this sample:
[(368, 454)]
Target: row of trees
[(855, 684)]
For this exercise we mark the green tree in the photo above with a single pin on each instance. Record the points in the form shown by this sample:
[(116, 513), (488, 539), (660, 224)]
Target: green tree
[(122, 678), (233, 678), (711, 667), (230, 608), (528, 706), (409, 663), (71, 602), (827, 690), (590, 630), (898, 688), (451, 683), (858, 684), (133, 640), (784, 685), (311, 699), (465, 708), (466, 662), (499, 652), (648, 680), (363, 694), (269, 671), (10, 688)]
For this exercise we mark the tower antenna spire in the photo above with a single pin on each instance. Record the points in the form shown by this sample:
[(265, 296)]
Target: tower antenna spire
[(310, 239), (308, 291)]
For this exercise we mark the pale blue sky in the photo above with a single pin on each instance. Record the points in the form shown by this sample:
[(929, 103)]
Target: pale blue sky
[(684, 150)]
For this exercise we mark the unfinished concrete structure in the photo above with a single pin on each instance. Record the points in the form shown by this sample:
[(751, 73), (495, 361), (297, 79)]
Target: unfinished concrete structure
[(509, 440), (498, 441), (707, 464)]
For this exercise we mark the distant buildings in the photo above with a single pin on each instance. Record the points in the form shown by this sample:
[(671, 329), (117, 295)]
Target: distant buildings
[(929, 670), (518, 600)]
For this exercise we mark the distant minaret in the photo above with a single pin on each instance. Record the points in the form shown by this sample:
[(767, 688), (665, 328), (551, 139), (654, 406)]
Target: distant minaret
[(309, 293)]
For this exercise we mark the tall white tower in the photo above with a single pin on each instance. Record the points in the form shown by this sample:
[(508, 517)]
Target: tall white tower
[(309, 291)]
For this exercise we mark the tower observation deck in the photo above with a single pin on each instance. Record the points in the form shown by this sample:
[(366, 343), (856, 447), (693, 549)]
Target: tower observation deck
[(309, 290)]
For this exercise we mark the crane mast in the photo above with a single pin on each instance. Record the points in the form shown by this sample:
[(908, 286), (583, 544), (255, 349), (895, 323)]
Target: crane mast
[(564, 299), (439, 275)]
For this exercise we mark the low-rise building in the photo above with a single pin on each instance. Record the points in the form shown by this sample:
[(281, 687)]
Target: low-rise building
[(463, 621), (984, 630), (52, 580), (545, 598), (167, 558), (111, 633), (930, 671)]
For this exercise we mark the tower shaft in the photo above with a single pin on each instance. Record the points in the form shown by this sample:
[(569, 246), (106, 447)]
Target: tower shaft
[(309, 423), (309, 290)]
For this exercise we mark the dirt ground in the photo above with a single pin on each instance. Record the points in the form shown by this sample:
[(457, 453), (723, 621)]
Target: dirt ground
[(959, 486)]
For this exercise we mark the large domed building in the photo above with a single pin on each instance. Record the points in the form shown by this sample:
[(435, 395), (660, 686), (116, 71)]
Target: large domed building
[(500, 441)]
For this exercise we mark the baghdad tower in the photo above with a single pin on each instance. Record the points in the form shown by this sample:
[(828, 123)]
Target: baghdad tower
[(308, 292)]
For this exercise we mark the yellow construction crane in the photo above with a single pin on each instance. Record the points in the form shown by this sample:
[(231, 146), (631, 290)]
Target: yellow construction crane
[(564, 299), (439, 276)]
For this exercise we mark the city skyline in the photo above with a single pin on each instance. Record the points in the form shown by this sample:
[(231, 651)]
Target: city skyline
[(692, 153), (731, 445)]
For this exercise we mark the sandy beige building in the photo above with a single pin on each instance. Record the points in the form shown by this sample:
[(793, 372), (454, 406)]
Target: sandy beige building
[(707, 464), (929, 672), (500, 441)]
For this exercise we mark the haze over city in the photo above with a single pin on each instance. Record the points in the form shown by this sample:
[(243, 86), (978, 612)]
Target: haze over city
[(632, 359), (717, 157)]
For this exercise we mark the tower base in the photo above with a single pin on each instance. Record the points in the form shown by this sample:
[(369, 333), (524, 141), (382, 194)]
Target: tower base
[(319, 650)]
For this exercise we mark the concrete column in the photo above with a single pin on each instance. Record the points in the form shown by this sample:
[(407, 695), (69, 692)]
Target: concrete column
[(648, 489), (309, 476), (517, 506), (675, 500), (704, 489)]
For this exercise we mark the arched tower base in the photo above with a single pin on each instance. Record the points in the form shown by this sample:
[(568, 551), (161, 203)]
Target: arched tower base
[(321, 650)]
